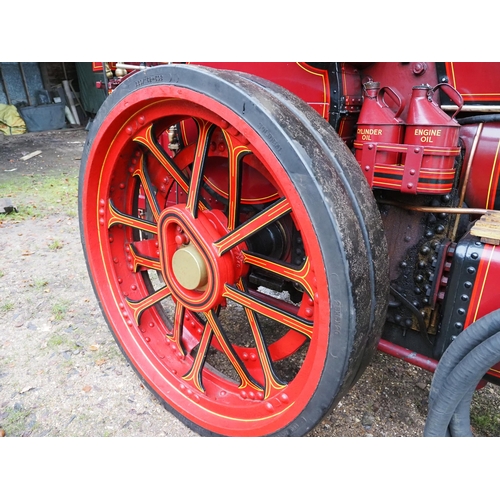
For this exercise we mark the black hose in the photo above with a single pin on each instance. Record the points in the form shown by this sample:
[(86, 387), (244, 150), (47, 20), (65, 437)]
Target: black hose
[(460, 421), (460, 384), (479, 119), (474, 335), (471, 337)]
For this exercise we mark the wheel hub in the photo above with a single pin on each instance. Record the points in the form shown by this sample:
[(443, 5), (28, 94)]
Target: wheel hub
[(194, 271)]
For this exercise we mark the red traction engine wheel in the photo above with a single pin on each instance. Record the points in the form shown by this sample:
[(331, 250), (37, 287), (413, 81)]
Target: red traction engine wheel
[(244, 276)]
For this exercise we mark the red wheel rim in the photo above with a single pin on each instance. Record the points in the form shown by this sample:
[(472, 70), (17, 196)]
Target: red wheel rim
[(165, 326)]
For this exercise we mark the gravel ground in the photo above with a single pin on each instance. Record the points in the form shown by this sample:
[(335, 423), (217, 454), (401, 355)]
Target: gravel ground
[(61, 373)]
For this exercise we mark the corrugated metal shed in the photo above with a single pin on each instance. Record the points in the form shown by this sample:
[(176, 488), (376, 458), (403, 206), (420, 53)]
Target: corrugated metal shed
[(20, 82)]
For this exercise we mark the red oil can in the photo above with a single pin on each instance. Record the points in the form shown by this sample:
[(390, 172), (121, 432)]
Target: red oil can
[(431, 141), (429, 126), (378, 123)]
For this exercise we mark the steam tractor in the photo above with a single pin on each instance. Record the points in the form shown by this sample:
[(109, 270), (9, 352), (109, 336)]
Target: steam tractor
[(255, 231)]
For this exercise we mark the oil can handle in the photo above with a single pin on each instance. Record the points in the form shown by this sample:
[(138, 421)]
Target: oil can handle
[(453, 94), (396, 96)]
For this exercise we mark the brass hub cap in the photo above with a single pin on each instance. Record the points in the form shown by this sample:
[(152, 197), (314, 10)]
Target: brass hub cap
[(189, 267)]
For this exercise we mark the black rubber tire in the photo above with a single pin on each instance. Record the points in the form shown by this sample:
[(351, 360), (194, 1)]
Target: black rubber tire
[(339, 204), (363, 206)]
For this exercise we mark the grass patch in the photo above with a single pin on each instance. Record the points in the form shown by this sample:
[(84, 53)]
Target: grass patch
[(485, 421), (15, 422), (55, 245), (56, 341), (40, 196), (59, 309), (40, 283), (6, 307)]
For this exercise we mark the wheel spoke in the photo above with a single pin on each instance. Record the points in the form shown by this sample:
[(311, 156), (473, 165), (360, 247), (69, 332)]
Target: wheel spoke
[(246, 379), (302, 275), (236, 154), (178, 328), (271, 380), (147, 139), (139, 306), (204, 132), (139, 259), (148, 187), (194, 374), (263, 219), (294, 322), (118, 217)]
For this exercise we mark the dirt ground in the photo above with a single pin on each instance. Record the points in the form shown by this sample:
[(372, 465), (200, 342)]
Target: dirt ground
[(61, 373)]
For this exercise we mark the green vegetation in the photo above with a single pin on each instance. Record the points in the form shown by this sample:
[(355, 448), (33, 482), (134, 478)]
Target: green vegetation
[(40, 283), (62, 340), (55, 245), (39, 195), (14, 423), (59, 309), (55, 341), (485, 421), (6, 307)]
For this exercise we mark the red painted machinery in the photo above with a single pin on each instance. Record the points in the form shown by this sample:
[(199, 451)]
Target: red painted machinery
[(254, 231)]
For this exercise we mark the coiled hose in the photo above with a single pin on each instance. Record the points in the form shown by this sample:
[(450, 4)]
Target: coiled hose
[(457, 375)]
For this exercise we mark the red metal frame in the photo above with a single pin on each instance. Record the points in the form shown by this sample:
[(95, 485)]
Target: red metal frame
[(476, 82)]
